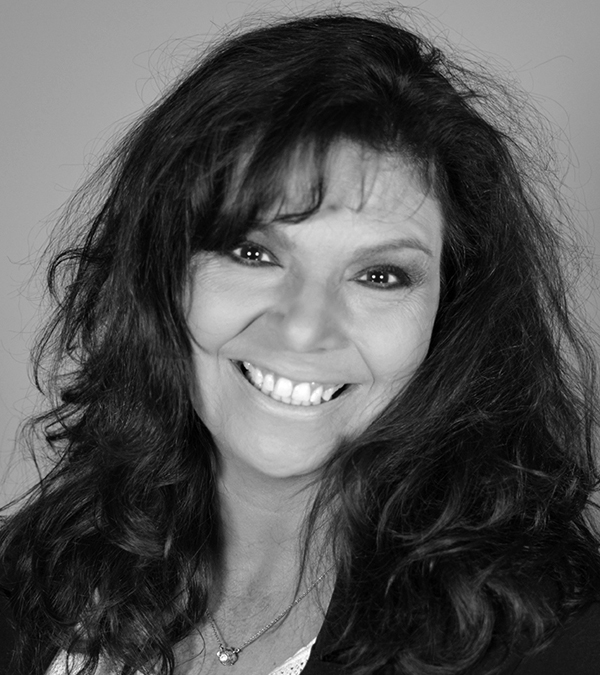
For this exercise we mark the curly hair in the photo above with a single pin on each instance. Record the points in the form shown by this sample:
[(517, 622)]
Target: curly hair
[(459, 516)]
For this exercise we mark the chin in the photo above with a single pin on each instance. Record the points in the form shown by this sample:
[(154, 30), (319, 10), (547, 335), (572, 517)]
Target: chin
[(278, 459)]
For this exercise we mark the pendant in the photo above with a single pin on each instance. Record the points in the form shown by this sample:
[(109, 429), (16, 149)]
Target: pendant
[(227, 655)]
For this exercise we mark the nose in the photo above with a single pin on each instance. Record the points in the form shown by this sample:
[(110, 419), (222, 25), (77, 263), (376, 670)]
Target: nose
[(309, 317)]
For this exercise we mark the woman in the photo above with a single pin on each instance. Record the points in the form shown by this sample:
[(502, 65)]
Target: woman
[(317, 378)]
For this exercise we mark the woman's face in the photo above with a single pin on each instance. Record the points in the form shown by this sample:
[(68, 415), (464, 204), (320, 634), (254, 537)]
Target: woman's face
[(304, 332)]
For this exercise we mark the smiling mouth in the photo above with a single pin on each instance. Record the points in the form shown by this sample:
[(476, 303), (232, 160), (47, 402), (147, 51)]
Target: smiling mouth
[(289, 391)]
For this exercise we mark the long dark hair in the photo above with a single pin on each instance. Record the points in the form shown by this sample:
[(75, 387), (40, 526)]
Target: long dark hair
[(459, 515)]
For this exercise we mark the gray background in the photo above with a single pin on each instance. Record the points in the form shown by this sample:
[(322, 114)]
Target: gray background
[(74, 73)]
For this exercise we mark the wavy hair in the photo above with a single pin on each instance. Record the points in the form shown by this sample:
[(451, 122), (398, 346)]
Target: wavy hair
[(459, 516)]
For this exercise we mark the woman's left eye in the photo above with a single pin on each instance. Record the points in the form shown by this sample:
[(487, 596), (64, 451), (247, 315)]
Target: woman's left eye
[(252, 254), (385, 278)]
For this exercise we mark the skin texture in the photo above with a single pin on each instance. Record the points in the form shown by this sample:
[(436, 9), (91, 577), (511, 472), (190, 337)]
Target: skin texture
[(347, 296)]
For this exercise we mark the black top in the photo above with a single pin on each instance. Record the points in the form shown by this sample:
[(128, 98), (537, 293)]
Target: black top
[(574, 651)]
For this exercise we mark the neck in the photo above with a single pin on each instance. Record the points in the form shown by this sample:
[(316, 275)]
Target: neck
[(262, 520), (259, 580)]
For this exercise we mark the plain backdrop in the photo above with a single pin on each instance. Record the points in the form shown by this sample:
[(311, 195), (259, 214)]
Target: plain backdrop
[(75, 73)]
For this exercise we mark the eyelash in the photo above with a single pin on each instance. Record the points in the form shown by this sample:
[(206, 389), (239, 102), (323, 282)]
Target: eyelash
[(404, 279), (237, 257)]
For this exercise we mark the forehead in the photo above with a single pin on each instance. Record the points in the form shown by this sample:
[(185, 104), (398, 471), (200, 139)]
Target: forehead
[(362, 187), (352, 177)]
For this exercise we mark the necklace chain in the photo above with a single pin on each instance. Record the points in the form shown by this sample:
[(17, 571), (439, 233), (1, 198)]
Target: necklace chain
[(229, 655)]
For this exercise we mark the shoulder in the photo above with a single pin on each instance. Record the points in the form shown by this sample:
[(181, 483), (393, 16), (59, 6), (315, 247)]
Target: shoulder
[(575, 649)]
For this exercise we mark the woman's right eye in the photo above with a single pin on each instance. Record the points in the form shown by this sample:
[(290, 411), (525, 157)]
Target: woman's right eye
[(249, 253)]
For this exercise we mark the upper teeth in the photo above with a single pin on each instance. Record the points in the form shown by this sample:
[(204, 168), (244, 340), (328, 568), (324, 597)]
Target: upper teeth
[(283, 389)]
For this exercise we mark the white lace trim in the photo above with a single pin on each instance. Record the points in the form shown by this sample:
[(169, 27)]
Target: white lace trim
[(295, 664)]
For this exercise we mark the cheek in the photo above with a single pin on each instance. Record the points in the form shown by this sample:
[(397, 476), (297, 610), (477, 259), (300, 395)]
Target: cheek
[(395, 346), (213, 319), (222, 305)]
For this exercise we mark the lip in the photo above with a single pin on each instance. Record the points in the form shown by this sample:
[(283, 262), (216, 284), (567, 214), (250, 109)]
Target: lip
[(280, 406)]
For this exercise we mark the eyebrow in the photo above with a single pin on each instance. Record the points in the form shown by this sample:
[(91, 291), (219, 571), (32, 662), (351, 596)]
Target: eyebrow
[(377, 249), (395, 245)]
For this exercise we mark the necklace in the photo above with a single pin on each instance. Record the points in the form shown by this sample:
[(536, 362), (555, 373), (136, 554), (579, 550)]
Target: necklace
[(228, 655)]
